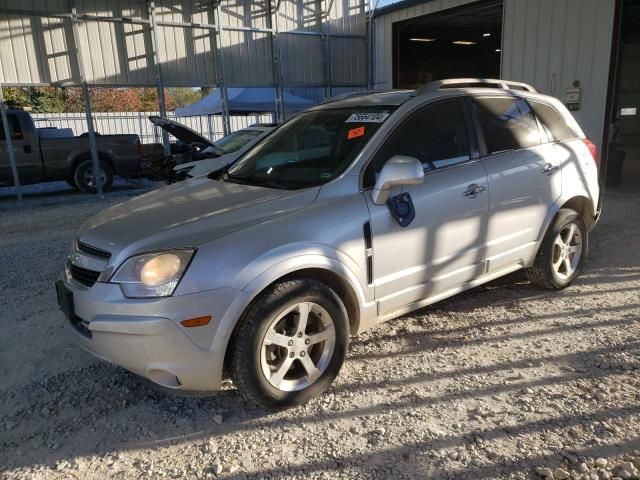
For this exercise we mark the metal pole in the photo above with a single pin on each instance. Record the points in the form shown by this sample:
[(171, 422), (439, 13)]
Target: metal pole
[(328, 73), (166, 148), (370, 56), (9, 140), (276, 64), (222, 84), (93, 147)]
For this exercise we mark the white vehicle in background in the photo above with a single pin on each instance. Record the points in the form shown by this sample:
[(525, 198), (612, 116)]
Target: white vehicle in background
[(234, 145), (207, 156)]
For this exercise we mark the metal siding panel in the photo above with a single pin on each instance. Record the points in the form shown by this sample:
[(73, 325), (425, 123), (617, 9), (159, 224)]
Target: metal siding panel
[(573, 42)]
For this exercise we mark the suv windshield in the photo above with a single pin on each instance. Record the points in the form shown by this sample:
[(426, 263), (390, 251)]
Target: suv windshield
[(309, 150), (236, 140)]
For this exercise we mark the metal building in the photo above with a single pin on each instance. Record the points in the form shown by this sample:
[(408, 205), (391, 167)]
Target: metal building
[(179, 43), (585, 52)]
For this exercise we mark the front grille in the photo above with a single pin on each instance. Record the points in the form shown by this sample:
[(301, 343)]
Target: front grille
[(83, 276), (96, 252)]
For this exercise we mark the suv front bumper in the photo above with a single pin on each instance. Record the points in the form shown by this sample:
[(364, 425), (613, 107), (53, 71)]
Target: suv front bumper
[(145, 335)]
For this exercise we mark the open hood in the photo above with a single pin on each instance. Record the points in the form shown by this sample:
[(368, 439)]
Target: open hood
[(179, 131)]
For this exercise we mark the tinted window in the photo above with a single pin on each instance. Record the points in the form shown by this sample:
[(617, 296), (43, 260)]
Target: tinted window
[(14, 128), (553, 123), (310, 149), (507, 124), (436, 135)]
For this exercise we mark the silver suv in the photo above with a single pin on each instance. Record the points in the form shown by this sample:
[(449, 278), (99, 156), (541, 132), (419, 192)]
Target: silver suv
[(350, 214)]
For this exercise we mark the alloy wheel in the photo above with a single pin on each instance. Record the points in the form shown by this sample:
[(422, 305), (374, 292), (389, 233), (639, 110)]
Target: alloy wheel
[(567, 251), (298, 346)]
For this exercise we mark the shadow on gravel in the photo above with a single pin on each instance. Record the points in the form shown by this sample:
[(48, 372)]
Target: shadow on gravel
[(112, 410)]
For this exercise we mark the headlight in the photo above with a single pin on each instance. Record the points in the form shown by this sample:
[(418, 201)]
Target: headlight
[(152, 274)]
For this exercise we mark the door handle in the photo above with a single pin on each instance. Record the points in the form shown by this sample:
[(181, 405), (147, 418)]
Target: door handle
[(473, 190), (549, 168)]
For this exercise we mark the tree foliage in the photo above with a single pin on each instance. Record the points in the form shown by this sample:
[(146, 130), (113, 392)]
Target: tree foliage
[(103, 99)]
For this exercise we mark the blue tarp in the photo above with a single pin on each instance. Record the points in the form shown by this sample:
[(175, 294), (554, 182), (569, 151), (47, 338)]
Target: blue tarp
[(244, 100)]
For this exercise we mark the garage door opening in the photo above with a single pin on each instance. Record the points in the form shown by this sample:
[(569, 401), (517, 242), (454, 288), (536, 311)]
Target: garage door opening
[(623, 166), (460, 42)]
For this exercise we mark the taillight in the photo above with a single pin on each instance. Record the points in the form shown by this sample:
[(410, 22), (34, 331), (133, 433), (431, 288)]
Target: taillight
[(593, 150)]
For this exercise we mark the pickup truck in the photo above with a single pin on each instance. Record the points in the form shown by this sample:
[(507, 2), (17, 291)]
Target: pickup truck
[(42, 155)]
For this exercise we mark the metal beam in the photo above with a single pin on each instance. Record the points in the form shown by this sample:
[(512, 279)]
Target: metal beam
[(328, 71), (371, 50), (276, 64), (9, 144), (222, 83), (93, 147), (166, 148)]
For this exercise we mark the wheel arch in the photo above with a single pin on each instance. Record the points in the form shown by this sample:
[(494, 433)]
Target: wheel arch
[(323, 272), (579, 202), (81, 157)]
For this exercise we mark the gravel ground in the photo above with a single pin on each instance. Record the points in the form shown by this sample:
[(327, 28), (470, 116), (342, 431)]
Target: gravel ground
[(503, 381)]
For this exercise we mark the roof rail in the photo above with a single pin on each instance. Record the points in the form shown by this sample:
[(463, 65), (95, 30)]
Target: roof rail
[(473, 83)]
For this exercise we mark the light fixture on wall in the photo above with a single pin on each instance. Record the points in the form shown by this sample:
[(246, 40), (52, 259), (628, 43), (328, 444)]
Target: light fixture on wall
[(464, 42), (422, 39), (498, 50), (486, 34)]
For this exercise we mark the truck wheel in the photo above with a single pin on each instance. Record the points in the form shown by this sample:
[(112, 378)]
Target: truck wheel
[(85, 179), (290, 344), (562, 253)]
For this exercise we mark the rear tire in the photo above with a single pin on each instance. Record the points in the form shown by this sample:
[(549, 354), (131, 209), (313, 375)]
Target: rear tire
[(290, 344), (562, 253), (85, 180)]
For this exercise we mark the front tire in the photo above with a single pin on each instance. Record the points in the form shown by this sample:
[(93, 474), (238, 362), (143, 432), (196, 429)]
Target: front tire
[(290, 344), (562, 253), (85, 179)]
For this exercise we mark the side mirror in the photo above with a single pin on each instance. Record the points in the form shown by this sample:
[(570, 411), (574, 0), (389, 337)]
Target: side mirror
[(398, 171)]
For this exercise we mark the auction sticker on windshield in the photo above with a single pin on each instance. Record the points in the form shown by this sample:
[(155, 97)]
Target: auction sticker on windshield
[(371, 117)]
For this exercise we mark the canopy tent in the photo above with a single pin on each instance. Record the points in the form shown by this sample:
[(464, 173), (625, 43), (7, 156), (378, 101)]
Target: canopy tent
[(244, 100)]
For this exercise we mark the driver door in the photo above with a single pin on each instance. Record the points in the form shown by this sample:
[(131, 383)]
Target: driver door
[(445, 244)]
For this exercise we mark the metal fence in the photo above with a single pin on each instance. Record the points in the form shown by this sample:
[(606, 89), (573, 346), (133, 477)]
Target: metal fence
[(110, 123)]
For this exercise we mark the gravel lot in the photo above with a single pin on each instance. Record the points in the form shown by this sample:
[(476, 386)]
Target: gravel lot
[(504, 381)]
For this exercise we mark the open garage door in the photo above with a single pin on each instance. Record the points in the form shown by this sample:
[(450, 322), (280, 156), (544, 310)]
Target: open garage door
[(459, 42), (624, 155)]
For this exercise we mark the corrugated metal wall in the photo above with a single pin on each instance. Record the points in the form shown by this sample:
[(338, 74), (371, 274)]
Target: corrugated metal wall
[(548, 43), (552, 43), (36, 47)]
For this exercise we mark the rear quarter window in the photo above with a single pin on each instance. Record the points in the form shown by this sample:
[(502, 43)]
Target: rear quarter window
[(553, 123)]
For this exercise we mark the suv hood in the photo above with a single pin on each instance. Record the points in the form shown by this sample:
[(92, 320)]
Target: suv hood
[(181, 132), (187, 214)]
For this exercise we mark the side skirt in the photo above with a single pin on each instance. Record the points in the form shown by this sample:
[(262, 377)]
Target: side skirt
[(449, 293)]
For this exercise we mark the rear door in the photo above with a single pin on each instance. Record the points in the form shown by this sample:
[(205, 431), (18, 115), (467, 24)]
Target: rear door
[(524, 178), (444, 245)]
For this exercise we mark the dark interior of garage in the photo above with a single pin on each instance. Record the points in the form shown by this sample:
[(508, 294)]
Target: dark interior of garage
[(624, 158), (461, 42)]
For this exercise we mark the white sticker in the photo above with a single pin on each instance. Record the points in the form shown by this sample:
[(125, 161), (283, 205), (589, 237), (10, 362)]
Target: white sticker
[(628, 112), (378, 117)]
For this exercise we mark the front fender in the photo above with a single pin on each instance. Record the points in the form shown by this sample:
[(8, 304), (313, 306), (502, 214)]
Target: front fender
[(276, 270)]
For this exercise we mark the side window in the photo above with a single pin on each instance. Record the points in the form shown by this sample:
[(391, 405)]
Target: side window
[(14, 128), (555, 126), (436, 135), (507, 124)]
